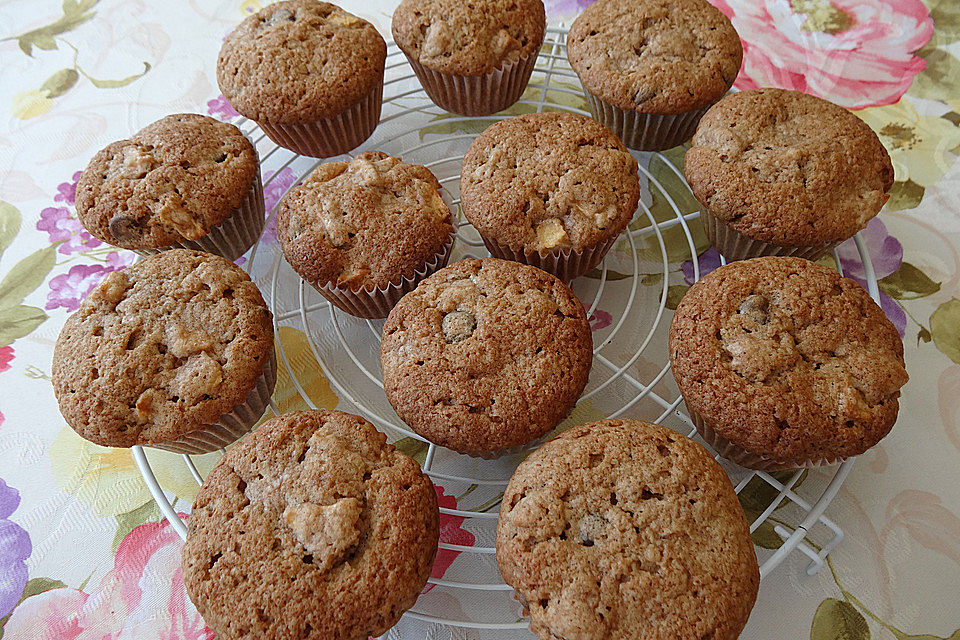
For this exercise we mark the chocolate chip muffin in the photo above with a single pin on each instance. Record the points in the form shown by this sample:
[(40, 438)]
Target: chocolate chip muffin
[(626, 529), (185, 181), (175, 352), (365, 232), (553, 190), (486, 355), (785, 173), (651, 68), (311, 527), (474, 58), (309, 73), (785, 364)]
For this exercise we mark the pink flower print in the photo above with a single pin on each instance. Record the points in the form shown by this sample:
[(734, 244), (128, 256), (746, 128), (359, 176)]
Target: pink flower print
[(68, 290), (856, 53), (708, 261), (220, 107), (274, 186), (450, 533), (67, 191), (599, 319), (886, 254), (61, 226), (6, 357)]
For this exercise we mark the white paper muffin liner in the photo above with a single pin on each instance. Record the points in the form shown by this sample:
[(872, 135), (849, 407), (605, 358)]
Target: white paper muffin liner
[(507, 451), (566, 264), (733, 245), (235, 234), (646, 131), (476, 95), (231, 426), (745, 458), (332, 136)]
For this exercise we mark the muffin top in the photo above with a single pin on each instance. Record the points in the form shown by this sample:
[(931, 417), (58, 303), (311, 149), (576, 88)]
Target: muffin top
[(626, 529), (788, 168), (171, 181), (300, 61), (486, 354), (160, 349), (469, 38), (311, 527), (549, 182), (364, 223), (655, 56), (787, 359)]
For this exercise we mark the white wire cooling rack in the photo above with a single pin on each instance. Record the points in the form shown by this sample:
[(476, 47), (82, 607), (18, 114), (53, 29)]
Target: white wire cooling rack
[(627, 299)]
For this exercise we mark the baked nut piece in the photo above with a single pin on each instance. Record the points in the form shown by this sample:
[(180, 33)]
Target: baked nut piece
[(785, 173), (473, 58), (486, 355), (174, 352), (622, 529), (309, 73), (185, 181), (312, 527), (651, 68), (365, 232), (549, 189), (784, 364)]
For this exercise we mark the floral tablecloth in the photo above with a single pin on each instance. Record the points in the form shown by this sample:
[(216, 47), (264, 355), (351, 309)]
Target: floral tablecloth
[(84, 552)]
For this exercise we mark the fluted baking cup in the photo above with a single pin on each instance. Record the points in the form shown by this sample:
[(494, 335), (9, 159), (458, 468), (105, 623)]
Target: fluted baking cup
[(231, 426), (476, 95), (646, 131), (733, 245), (332, 136), (566, 264)]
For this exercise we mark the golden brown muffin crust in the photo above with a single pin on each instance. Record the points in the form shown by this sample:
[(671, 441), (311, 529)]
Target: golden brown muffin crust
[(486, 354), (171, 181), (300, 61), (311, 527), (469, 38), (785, 358), (364, 223), (788, 168), (624, 529), (160, 349), (548, 182), (655, 56)]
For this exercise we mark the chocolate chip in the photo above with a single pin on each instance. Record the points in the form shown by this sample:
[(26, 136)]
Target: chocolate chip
[(458, 325), (123, 227), (756, 307)]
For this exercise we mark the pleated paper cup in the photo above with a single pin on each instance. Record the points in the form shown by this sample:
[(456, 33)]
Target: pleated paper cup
[(748, 459), (332, 136), (733, 245), (507, 451), (646, 131), (476, 95), (566, 264), (231, 426), (234, 235)]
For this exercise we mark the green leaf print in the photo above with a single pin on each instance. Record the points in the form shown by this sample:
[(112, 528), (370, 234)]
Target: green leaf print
[(9, 224), (946, 21), (908, 283), (112, 84), (905, 195), (19, 321), (938, 80), (945, 329), (838, 620), (765, 537), (74, 14), (127, 522), (760, 494), (675, 293), (416, 449), (926, 636), (26, 276), (60, 82)]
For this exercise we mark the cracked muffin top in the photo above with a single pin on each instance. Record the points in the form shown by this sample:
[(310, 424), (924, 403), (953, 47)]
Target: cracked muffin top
[(311, 527), (787, 359), (485, 355), (788, 168), (626, 529), (364, 223), (655, 56), (549, 182), (469, 38), (300, 61), (160, 349), (171, 181)]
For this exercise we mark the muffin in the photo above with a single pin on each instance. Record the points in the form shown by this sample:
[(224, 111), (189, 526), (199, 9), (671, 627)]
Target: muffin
[(312, 527), (624, 529), (365, 232), (553, 190), (186, 181), (785, 173), (485, 356), (473, 58), (784, 364), (319, 98), (175, 352), (651, 68)]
